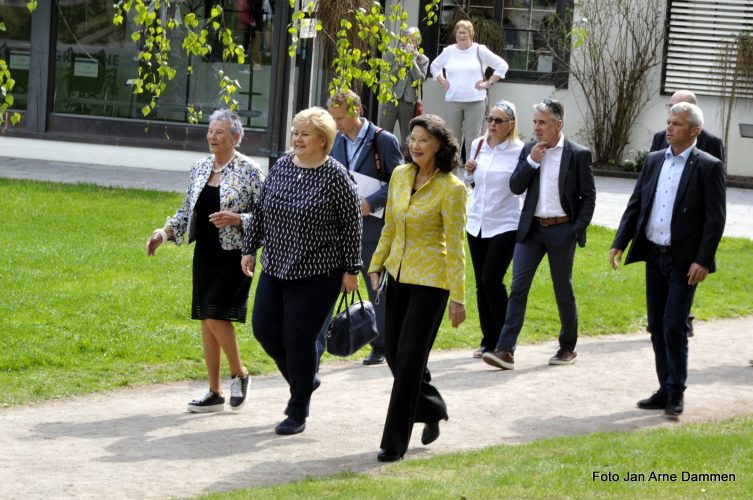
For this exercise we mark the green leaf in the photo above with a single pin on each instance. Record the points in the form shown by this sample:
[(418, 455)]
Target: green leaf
[(32, 5)]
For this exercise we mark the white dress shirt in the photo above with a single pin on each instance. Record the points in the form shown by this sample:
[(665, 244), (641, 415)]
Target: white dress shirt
[(492, 208), (658, 227), (549, 204)]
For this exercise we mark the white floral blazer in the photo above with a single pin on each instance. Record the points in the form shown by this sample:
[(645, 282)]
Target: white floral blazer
[(240, 184)]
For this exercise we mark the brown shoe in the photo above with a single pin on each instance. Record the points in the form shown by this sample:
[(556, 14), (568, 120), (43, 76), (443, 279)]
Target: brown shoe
[(563, 357), (501, 359)]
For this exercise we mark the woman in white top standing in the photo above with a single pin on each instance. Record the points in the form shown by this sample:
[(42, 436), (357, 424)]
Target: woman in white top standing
[(493, 213), (459, 69)]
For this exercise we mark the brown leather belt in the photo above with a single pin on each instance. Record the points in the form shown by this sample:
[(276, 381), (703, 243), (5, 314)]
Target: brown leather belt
[(552, 221)]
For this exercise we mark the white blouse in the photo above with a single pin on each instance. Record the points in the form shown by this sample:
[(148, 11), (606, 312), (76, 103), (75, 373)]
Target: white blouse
[(492, 208), (465, 67)]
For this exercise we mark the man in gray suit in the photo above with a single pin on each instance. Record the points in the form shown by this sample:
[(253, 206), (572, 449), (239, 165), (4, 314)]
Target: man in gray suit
[(404, 90), (363, 148)]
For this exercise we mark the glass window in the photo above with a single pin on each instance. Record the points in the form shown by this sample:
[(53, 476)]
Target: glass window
[(521, 31), (15, 47), (96, 62)]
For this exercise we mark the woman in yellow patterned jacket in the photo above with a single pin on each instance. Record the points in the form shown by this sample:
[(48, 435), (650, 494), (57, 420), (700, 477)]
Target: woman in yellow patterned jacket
[(422, 250)]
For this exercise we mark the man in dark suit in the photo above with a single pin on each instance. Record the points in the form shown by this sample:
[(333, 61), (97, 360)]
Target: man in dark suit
[(357, 146), (705, 142), (555, 173), (675, 220)]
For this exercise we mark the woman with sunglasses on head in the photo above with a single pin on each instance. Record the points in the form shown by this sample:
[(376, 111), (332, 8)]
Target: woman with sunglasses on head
[(493, 214)]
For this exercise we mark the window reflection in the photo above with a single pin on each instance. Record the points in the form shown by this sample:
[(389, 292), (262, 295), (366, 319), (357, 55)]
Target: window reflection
[(96, 61), (524, 37), (15, 47)]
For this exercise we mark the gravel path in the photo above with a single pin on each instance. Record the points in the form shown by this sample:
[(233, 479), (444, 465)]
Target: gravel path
[(140, 443)]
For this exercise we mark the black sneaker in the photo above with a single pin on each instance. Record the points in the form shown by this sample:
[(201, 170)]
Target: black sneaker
[(207, 403), (238, 391)]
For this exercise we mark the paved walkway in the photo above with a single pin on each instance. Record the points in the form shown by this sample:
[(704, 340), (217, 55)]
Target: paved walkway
[(140, 443), (611, 193)]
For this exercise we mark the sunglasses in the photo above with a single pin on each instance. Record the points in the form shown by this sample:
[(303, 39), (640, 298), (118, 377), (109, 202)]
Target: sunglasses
[(498, 121)]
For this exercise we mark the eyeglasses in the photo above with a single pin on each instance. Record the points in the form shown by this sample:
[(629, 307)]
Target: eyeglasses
[(498, 121)]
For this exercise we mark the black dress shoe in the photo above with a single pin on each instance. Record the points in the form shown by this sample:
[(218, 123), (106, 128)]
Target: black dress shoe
[(389, 456), (375, 358), (290, 426), (431, 433), (674, 405), (657, 401)]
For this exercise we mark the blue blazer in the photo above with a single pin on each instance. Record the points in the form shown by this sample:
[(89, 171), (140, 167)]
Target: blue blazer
[(698, 215), (390, 156)]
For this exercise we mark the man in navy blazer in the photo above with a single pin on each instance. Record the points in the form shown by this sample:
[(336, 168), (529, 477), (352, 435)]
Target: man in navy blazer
[(556, 175), (705, 142), (675, 220), (357, 146)]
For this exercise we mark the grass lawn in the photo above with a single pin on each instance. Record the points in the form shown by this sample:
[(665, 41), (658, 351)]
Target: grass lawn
[(83, 309), (593, 466)]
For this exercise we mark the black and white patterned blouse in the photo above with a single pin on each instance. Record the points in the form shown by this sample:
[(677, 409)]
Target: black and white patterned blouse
[(308, 221)]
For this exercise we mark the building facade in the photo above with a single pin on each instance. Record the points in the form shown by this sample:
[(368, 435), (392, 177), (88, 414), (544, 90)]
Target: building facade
[(73, 70)]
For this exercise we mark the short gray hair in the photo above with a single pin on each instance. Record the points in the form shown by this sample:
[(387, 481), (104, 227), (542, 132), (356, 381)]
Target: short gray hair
[(232, 119), (551, 106), (695, 115)]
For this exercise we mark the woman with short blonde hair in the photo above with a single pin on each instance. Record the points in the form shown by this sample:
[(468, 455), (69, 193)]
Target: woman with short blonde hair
[(308, 221), (460, 70)]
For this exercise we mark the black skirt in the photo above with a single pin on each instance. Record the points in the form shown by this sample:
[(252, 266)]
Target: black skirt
[(220, 289)]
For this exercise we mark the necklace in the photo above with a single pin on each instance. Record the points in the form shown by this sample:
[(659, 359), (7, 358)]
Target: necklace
[(218, 170)]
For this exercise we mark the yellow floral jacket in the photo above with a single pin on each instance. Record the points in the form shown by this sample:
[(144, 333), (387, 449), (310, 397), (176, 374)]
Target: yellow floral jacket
[(423, 239)]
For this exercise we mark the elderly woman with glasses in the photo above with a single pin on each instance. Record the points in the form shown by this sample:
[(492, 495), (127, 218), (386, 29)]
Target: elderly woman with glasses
[(493, 215), (215, 213)]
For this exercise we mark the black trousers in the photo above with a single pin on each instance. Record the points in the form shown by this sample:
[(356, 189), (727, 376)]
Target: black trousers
[(287, 317), (414, 314), (668, 301), (491, 258), (558, 244)]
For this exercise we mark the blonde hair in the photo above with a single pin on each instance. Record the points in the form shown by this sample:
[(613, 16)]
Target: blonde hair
[(464, 23), (321, 121), (508, 109)]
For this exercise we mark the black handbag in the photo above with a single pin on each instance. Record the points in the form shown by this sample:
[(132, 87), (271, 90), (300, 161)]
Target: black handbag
[(352, 328)]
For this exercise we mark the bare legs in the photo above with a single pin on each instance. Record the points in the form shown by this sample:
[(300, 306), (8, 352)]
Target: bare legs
[(219, 335)]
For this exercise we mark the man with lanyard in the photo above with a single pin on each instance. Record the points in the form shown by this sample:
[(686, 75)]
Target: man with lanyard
[(367, 150)]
